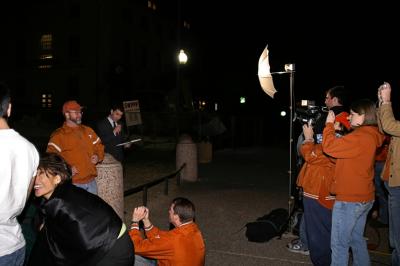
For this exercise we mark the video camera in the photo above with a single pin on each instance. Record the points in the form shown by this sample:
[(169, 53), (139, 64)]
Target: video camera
[(309, 113)]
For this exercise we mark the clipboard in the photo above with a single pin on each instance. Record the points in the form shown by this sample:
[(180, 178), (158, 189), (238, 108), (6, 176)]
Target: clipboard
[(127, 142)]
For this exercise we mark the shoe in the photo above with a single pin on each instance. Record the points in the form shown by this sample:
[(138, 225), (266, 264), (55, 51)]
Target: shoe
[(297, 247)]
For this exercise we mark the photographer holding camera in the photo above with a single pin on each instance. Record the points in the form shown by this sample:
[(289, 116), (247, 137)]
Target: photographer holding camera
[(335, 100)]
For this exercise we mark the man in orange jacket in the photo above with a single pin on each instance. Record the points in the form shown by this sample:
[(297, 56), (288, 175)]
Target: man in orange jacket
[(79, 146), (180, 246)]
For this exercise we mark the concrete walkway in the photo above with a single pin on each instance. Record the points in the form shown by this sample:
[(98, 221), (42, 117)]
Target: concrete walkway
[(236, 187)]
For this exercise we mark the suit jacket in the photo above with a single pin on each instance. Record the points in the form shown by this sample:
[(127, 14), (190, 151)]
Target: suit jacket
[(109, 140)]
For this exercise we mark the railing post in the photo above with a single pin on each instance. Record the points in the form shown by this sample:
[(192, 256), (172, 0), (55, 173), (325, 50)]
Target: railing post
[(145, 196)]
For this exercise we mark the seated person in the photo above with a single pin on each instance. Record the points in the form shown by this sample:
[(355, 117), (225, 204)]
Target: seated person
[(79, 228), (180, 246)]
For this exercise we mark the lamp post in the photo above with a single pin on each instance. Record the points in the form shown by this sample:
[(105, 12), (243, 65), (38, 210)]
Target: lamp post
[(182, 60)]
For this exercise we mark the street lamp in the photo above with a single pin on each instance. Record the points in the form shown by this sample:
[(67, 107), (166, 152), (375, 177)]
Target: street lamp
[(182, 60), (182, 57)]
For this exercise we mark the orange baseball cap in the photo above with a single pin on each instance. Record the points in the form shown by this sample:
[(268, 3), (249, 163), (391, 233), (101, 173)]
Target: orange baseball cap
[(71, 106), (342, 119)]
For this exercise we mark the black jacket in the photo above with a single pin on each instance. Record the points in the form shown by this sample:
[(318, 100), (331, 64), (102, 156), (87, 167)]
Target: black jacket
[(79, 228), (105, 131)]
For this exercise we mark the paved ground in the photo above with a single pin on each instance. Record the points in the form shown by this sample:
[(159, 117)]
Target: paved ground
[(236, 187)]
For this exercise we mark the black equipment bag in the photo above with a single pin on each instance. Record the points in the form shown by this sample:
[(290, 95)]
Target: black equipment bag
[(267, 226)]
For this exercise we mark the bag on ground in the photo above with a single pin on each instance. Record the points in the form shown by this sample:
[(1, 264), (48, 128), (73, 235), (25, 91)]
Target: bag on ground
[(267, 226)]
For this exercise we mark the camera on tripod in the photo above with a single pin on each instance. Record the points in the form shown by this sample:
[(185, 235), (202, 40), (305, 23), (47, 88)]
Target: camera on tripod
[(308, 113)]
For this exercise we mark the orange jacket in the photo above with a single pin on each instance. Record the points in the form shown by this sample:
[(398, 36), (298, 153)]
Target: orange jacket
[(355, 153), (181, 246), (316, 174), (77, 145)]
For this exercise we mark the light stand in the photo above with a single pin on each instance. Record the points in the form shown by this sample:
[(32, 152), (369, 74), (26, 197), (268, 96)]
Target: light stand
[(267, 84), (290, 69)]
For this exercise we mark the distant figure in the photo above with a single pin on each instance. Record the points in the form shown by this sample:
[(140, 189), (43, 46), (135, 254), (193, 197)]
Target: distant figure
[(180, 246), (79, 146), (111, 134), (78, 228), (391, 170), (18, 163)]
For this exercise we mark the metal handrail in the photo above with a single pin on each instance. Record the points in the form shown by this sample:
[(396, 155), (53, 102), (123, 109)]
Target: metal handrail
[(150, 184)]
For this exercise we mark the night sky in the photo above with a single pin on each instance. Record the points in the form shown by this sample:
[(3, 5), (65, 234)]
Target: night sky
[(330, 44)]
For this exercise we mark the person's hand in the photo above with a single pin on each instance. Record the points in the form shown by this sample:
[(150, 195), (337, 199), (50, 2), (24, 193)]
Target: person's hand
[(74, 170), (331, 117), (117, 130), (94, 159), (384, 92), (139, 213), (308, 132), (128, 145)]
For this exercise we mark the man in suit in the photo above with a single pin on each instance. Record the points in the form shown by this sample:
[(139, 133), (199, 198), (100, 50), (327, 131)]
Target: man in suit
[(110, 132)]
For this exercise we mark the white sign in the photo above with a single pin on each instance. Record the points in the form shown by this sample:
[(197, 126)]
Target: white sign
[(132, 113)]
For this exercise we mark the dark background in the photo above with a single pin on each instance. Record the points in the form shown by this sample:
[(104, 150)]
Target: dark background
[(331, 43)]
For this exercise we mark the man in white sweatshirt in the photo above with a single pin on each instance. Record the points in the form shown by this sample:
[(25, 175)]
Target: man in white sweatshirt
[(19, 160)]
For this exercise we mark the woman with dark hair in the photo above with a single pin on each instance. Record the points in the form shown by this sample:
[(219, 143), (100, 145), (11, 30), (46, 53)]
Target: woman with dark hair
[(79, 228), (353, 180)]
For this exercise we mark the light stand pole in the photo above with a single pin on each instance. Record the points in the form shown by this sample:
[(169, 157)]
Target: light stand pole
[(290, 69)]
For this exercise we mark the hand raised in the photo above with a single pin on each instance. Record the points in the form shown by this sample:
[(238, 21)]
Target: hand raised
[(308, 131), (331, 117)]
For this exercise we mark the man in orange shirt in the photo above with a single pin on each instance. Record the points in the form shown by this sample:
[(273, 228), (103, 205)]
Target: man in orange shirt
[(180, 246), (79, 146)]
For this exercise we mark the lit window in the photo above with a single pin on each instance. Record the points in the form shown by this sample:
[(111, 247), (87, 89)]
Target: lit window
[(151, 4), (46, 41), (46, 56), (46, 45), (46, 100), (186, 25), (44, 66)]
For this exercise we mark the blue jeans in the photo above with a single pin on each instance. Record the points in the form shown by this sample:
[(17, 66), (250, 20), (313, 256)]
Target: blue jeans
[(394, 222), (14, 259), (348, 224), (381, 194), (89, 187)]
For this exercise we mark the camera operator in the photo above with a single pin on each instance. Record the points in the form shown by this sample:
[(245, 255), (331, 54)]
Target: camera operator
[(335, 100)]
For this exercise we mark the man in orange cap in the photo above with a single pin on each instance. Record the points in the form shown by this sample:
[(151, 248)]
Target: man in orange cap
[(79, 146)]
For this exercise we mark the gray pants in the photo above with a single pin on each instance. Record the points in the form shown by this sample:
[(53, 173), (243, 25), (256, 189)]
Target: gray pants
[(142, 261)]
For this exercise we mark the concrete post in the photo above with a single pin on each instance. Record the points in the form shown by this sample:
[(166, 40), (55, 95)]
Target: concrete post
[(186, 152), (110, 184)]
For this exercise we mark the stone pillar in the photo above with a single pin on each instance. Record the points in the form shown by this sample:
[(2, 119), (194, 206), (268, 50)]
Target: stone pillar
[(110, 184), (186, 152)]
